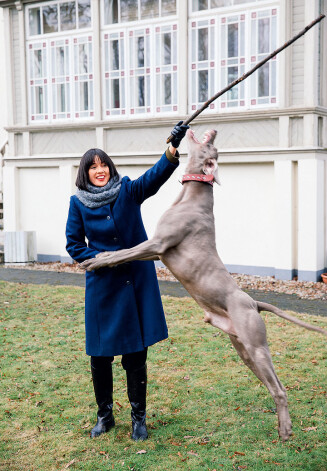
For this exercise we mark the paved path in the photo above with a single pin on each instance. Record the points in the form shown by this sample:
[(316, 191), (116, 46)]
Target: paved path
[(170, 288)]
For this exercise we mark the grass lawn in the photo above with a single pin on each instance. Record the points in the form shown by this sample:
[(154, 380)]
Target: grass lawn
[(206, 410)]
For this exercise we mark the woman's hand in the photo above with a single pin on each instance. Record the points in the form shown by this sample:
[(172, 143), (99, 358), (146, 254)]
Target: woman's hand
[(178, 132)]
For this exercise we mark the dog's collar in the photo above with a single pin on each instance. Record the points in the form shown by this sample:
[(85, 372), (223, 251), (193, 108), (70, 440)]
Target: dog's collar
[(198, 177)]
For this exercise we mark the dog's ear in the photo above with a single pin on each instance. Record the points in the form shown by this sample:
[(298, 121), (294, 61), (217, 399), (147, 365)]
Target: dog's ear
[(210, 167)]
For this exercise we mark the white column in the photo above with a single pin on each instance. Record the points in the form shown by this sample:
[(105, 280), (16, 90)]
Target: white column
[(311, 51), (10, 210), (311, 193), (97, 77), (285, 242), (182, 48), (22, 61), (65, 192)]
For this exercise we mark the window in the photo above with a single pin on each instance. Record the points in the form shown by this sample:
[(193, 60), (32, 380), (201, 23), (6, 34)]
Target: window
[(60, 66), (219, 56), (140, 58), (198, 5), (121, 11), (54, 17)]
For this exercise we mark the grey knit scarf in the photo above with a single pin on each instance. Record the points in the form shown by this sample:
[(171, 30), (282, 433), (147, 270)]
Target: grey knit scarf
[(97, 196)]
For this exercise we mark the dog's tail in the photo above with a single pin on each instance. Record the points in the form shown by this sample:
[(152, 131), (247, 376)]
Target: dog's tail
[(280, 313)]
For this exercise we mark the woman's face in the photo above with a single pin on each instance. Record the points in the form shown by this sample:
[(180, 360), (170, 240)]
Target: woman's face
[(99, 174)]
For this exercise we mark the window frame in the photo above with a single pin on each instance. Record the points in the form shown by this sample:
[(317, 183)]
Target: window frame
[(215, 15)]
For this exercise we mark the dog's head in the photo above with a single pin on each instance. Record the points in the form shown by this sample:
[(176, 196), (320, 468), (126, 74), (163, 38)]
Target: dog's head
[(202, 156)]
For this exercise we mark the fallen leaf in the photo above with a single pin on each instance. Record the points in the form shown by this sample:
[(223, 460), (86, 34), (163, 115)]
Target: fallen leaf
[(192, 453), (141, 452), (239, 453), (86, 425), (307, 429), (69, 464), (237, 408)]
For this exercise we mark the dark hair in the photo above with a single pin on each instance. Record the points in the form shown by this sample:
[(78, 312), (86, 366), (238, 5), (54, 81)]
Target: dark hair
[(87, 160)]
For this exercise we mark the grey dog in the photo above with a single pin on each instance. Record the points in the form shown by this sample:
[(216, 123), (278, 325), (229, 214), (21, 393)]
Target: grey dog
[(185, 242)]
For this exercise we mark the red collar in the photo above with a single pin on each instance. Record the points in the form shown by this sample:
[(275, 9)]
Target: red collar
[(195, 177)]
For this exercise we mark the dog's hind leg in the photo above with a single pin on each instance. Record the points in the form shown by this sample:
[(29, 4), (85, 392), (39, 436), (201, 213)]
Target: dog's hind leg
[(255, 353)]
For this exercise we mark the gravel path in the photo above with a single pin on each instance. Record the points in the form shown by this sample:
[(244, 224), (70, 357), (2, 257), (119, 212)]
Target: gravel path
[(302, 289)]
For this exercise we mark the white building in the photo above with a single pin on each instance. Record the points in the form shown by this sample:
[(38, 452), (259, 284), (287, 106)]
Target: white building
[(118, 74)]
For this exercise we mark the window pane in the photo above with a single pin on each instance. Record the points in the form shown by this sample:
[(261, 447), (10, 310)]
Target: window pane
[(233, 40), (83, 59), (114, 55), (128, 10), (140, 51), (203, 44), (264, 34), (84, 13), (67, 16), (220, 3), (167, 48), (39, 100), (232, 75), (167, 89), (141, 91), (115, 93), (34, 21), (200, 5), (37, 64), (203, 86), (149, 9), (168, 7), (60, 61), (110, 11), (61, 98), (50, 19), (263, 81)]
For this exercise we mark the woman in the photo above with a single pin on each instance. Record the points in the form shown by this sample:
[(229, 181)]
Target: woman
[(123, 310)]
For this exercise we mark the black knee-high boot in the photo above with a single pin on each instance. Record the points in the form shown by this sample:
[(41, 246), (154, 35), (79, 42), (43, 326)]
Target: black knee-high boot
[(103, 386), (136, 390)]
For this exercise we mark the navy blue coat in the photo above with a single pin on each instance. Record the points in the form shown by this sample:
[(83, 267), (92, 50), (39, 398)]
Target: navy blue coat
[(123, 309)]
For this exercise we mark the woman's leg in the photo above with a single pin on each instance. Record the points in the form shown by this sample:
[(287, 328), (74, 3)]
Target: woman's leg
[(103, 386), (136, 373)]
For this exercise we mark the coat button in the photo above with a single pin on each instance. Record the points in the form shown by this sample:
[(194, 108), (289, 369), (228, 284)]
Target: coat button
[(115, 239), (108, 217), (128, 282)]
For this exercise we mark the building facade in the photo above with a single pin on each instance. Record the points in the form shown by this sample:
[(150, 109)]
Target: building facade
[(118, 74)]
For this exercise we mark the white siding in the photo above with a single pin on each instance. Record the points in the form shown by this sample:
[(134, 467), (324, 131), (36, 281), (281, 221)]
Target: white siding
[(298, 54), (16, 67)]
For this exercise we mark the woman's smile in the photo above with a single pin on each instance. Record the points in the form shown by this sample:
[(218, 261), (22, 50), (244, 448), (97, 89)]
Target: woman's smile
[(99, 173)]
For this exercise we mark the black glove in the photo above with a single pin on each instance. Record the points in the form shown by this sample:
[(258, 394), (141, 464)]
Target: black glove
[(178, 133)]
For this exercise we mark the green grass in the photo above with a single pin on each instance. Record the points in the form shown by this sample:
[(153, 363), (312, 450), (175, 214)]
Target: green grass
[(206, 410)]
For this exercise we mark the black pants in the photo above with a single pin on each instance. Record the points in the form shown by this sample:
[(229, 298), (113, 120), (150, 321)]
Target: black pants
[(130, 361)]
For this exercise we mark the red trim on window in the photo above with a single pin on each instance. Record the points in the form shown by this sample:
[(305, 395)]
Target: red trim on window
[(223, 105), (253, 101), (242, 103), (274, 11), (175, 108), (223, 62), (273, 100), (253, 14), (223, 20), (242, 61), (107, 113), (158, 109), (242, 17), (253, 58)]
